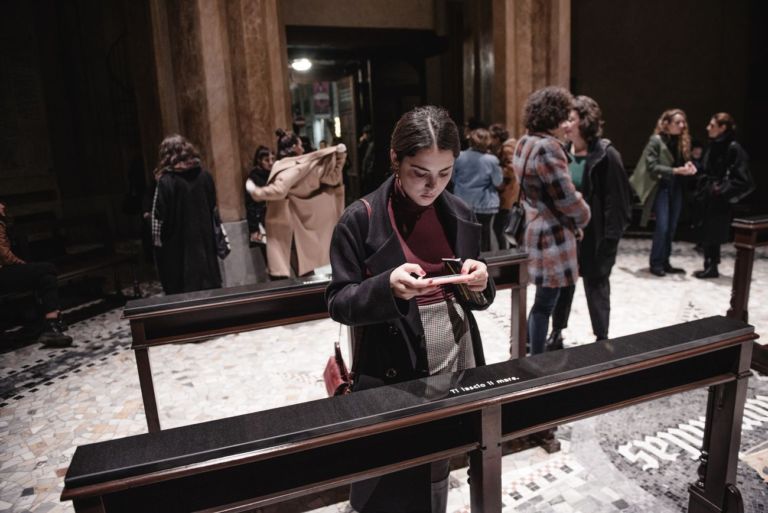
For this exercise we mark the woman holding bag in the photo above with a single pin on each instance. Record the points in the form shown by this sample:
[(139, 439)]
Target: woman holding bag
[(385, 252), (555, 211), (183, 216), (725, 180)]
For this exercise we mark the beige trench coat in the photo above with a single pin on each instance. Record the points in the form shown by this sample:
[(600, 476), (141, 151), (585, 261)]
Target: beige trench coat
[(306, 199)]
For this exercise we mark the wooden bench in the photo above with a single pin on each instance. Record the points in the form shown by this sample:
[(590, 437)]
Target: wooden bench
[(78, 247), (241, 463), (202, 315), (749, 234)]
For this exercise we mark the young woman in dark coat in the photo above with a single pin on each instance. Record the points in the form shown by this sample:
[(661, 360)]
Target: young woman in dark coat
[(255, 211), (184, 205), (598, 173), (725, 180), (383, 260)]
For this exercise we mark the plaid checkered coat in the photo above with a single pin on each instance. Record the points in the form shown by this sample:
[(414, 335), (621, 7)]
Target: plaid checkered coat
[(553, 210)]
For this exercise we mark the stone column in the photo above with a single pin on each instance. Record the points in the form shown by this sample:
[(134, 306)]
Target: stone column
[(532, 49), (222, 83)]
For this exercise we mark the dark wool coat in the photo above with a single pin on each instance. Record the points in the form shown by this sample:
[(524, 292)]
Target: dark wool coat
[(553, 210), (187, 260), (606, 191), (255, 211), (391, 345), (725, 180)]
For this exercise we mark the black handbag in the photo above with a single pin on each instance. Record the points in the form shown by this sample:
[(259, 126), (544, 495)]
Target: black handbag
[(515, 229), (220, 236), (514, 232)]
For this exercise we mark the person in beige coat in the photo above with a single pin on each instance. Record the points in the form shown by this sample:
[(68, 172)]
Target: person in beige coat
[(306, 195)]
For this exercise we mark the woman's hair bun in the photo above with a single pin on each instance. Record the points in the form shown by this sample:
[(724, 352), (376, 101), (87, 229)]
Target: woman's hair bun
[(280, 132)]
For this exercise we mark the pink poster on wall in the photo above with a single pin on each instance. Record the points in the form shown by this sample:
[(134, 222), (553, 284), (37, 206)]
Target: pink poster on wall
[(321, 97)]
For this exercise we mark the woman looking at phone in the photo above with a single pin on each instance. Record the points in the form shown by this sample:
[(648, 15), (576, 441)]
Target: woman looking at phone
[(410, 326)]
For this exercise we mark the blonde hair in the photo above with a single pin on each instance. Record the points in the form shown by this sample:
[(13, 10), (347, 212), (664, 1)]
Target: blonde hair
[(684, 142)]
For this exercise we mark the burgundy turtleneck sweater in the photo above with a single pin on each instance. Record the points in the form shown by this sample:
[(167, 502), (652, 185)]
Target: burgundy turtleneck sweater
[(422, 239)]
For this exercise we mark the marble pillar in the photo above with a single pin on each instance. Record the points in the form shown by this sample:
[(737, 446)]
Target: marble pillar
[(532, 49), (222, 78)]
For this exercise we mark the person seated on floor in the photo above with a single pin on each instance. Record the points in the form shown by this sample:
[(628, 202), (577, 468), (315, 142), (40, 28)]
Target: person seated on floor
[(16, 275)]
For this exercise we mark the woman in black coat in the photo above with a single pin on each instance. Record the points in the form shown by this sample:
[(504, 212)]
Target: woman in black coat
[(605, 187), (255, 211), (385, 251), (725, 180), (183, 211)]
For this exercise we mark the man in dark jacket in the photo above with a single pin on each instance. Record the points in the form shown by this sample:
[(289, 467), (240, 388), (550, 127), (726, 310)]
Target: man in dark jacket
[(16, 275), (604, 184)]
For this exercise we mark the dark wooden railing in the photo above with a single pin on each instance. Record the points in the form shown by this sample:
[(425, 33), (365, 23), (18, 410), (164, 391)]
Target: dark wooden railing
[(749, 234), (201, 315), (249, 461)]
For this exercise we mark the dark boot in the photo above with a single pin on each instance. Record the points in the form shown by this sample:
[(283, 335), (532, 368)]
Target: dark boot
[(672, 270), (709, 272), (554, 341), (61, 323), (52, 335)]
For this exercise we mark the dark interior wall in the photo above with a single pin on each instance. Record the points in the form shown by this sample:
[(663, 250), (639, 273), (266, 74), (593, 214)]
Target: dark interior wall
[(24, 145), (89, 95), (639, 58)]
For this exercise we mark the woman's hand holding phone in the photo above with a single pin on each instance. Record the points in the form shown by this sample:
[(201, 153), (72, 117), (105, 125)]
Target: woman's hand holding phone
[(478, 272), (407, 282)]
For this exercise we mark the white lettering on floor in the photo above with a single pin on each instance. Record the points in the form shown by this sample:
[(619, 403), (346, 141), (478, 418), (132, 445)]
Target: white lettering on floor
[(666, 445)]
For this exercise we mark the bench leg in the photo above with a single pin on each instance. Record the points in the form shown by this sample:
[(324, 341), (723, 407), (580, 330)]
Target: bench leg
[(118, 283), (89, 505), (136, 289), (485, 464), (715, 490), (147, 389)]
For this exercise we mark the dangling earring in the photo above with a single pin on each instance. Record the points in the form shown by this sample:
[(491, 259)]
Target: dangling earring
[(396, 171)]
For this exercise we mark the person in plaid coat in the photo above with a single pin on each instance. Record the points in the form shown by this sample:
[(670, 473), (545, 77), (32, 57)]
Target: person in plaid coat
[(555, 211)]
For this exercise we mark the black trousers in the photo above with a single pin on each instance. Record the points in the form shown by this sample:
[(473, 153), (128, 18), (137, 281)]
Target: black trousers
[(38, 277), (485, 221), (499, 224), (598, 293), (711, 254)]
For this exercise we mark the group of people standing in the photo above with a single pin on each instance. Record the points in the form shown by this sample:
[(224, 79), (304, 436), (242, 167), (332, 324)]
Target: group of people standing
[(389, 248), (659, 177), (296, 199), (484, 179)]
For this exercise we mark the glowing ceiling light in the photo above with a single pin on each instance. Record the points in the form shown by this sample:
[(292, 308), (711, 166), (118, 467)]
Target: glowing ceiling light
[(302, 64)]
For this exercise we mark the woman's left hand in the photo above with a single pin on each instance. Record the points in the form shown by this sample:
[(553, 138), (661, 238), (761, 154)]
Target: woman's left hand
[(479, 273)]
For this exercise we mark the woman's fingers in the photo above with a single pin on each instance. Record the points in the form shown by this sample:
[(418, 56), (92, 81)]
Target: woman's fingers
[(478, 272)]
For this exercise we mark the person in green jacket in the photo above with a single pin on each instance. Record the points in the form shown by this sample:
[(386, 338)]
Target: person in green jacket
[(657, 181)]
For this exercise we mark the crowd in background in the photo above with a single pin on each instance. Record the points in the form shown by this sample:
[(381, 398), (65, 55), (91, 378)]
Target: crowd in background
[(570, 179)]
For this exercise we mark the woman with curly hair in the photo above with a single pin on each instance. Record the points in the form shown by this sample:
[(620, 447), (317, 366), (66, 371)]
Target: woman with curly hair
[(598, 173), (183, 212), (657, 179), (555, 210)]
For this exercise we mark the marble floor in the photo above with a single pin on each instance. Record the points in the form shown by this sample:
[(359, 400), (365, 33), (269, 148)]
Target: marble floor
[(637, 459)]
